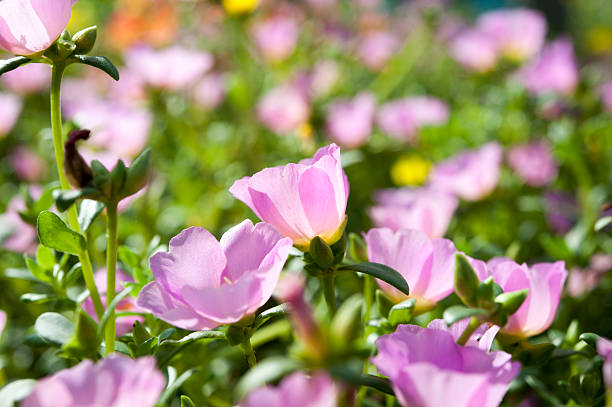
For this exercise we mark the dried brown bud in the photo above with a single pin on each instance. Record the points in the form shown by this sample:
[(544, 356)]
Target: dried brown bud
[(79, 174)]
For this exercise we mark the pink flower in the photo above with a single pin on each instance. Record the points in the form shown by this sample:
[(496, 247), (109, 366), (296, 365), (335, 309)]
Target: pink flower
[(604, 348), (471, 175), (31, 26), (300, 200), (296, 390), (424, 209), (210, 91), (22, 236), (428, 369), (10, 108), (554, 70), (561, 211), (475, 50), (115, 381), (426, 264), (116, 128), (27, 164), (606, 96), (533, 163), (2, 321), (27, 78), (519, 33), (283, 109), (349, 122), (402, 118), (174, 68), (376, 48), (544, 282), (276, 37), (324, 77), (202, 283), (482, 337), (123, 325)]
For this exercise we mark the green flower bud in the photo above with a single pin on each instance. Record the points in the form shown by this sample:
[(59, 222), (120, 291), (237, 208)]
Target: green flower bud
[(321, 253), (512, 301), (466, 281), (139, 332), (85, 39)]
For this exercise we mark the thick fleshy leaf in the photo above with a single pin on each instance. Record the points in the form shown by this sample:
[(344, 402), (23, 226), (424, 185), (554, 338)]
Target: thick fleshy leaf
[(380, 271)]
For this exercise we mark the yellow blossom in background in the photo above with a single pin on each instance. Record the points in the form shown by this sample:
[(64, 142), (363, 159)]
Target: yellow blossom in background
[(239, 6), (599, 39), (410, 170)]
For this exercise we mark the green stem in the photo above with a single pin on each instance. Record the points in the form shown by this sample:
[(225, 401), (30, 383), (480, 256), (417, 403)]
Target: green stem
[(58, 145), (247, 348), (469, 330), (111, 269), (368, 293), (329, 292)]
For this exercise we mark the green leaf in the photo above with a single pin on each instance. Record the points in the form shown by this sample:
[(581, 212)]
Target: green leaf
[(88, 212), (380, 271), (64, 198), (99, 62), (510, 302), (279, 310), (54, 328), (16, 391), (187, 402), (264, 372), (35, 298), (466, 281), (8, 65), (85, 341), (55, 234), (602, 223), (357, 379), (590, 338), (37, 271), (346, 325), (402, 313), (45, 257), (459, 312), (533, 355), (174, 386)]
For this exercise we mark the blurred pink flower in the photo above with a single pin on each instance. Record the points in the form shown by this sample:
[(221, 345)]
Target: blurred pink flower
[(296, 390), (606, 96), (300, 200), (276, 37), (424, 209), (554, 70), (519, 33), (202, 283), (123, 325), (402, 118), (426, 264), (475, 50), (21, 237), (544, 282), (174, 68), (283, 109), (427, 368), (533, 163), (10, 108), (471, 175), (324, 77), (209, 92), (604, 348), (117, 128), (321, 5), (27, 164), (349, 122), (28, 78), (115, 381), (376, 48), (582, 281), (30, 26), (561, 211)]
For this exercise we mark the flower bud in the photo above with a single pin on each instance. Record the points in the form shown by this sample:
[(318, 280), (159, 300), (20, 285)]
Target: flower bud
[(346, 325), (85, 39), (466, 281), (511, 302), (357, 248), (77, 171), (139, 333)]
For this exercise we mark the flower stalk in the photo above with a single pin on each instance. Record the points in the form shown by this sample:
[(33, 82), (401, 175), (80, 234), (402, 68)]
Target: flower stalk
[(111, 269), (58, 144), (469, 330)]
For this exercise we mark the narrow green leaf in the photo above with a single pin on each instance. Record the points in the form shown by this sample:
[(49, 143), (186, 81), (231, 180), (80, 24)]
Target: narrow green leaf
[(459, 312), (602, 223), (402, 313), (35, 298), (380, 271), (358, 379), (279, 310), (16, 391), (99, 62), (346, 325), (88, 212), (111, 308), (55, 234), (187, 402), (54, 328), (174, 386), (8, 65), (267, 371)]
